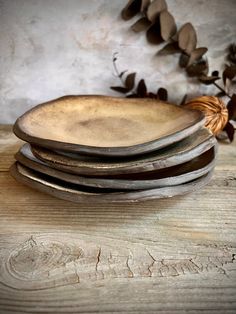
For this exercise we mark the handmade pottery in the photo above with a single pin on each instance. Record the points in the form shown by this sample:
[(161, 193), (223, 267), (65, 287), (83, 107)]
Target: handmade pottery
[(174, 175), (177, 153), (70, 192), (107, 126)]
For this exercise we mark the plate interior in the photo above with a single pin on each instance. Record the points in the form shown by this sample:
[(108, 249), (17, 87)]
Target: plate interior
[(105, 122)]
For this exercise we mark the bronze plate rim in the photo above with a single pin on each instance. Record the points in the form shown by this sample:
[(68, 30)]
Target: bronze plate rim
[(78, 196), (114, 183), (106, 151)]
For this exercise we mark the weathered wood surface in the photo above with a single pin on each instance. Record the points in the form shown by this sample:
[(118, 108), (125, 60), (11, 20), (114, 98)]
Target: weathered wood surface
[(166, 256)]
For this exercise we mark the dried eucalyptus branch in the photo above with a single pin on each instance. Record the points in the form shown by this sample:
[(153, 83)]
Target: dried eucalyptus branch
[(128, 85), (159, 25)]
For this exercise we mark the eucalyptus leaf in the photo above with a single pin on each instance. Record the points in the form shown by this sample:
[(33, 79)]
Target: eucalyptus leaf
[(154, 33), (232, 107), (144, 5), (229, 73), (229, 129), (196, 54), (129, 82), (132, 8), (162, 94), (167, 25), (208, 80), (183, 60), (141, 25), (187, 38), (120, 89), (155, 9), (197, 69), (142, 89), (169, 49)]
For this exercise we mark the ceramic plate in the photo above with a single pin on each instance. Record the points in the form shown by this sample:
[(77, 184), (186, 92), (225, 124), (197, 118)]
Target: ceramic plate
[(107, 126), (175, 175), (175, 154), (70, 192)]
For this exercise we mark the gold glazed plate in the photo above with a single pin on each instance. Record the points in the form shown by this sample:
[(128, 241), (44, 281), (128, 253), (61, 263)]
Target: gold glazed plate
[(107, 126), (175, 175), (70, 192), (178, 153)]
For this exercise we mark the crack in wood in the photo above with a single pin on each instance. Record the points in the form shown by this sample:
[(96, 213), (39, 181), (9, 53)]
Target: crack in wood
[(151, 265), (38, 264), (128, 266), (98, 259)]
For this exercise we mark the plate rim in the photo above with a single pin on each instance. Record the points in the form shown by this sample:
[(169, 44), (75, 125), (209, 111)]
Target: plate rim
[(144, 166), (115, 197), (115, 183), (106, 151)]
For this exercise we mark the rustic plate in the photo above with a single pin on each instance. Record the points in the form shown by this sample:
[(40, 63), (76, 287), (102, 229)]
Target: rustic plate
[(175, 175), (107, 126), (178, 153), (68, 191)]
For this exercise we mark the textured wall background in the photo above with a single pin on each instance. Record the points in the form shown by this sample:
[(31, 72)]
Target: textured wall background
[(50, 48)]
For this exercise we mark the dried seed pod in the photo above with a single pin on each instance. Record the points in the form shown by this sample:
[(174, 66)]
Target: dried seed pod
[(214, 109)]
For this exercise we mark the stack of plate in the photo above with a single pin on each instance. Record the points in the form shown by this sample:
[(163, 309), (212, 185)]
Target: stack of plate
[(98, 148)]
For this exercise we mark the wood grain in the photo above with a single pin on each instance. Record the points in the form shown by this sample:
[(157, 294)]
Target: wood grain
[(166, 256)]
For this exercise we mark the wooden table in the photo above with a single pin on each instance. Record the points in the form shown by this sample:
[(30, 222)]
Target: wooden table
[(166, 256)]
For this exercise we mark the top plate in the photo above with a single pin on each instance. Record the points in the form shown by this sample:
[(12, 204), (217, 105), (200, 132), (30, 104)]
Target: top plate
[(107, 126)]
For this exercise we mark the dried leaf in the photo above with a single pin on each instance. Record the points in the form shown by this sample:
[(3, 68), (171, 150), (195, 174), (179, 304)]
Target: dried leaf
[(122, 73), (187, 38), (120, 89), (207, 80), (151, 95), (144, 5), (155, 9), (129, 82), (183, 101), (220, 94), (196, 55), (175, 37), (215, 73), (142, 89), (229, 73), (162, 94), (229, 129), (132, 96), (141, 25), (132, 8), (169, 49), (232, 107), (168, 26), (231, 57), (198, 69), (183, 60), (154, 33)]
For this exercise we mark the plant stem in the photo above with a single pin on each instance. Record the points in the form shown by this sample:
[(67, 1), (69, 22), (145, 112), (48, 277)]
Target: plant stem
[(116, 69), (220, 88)]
